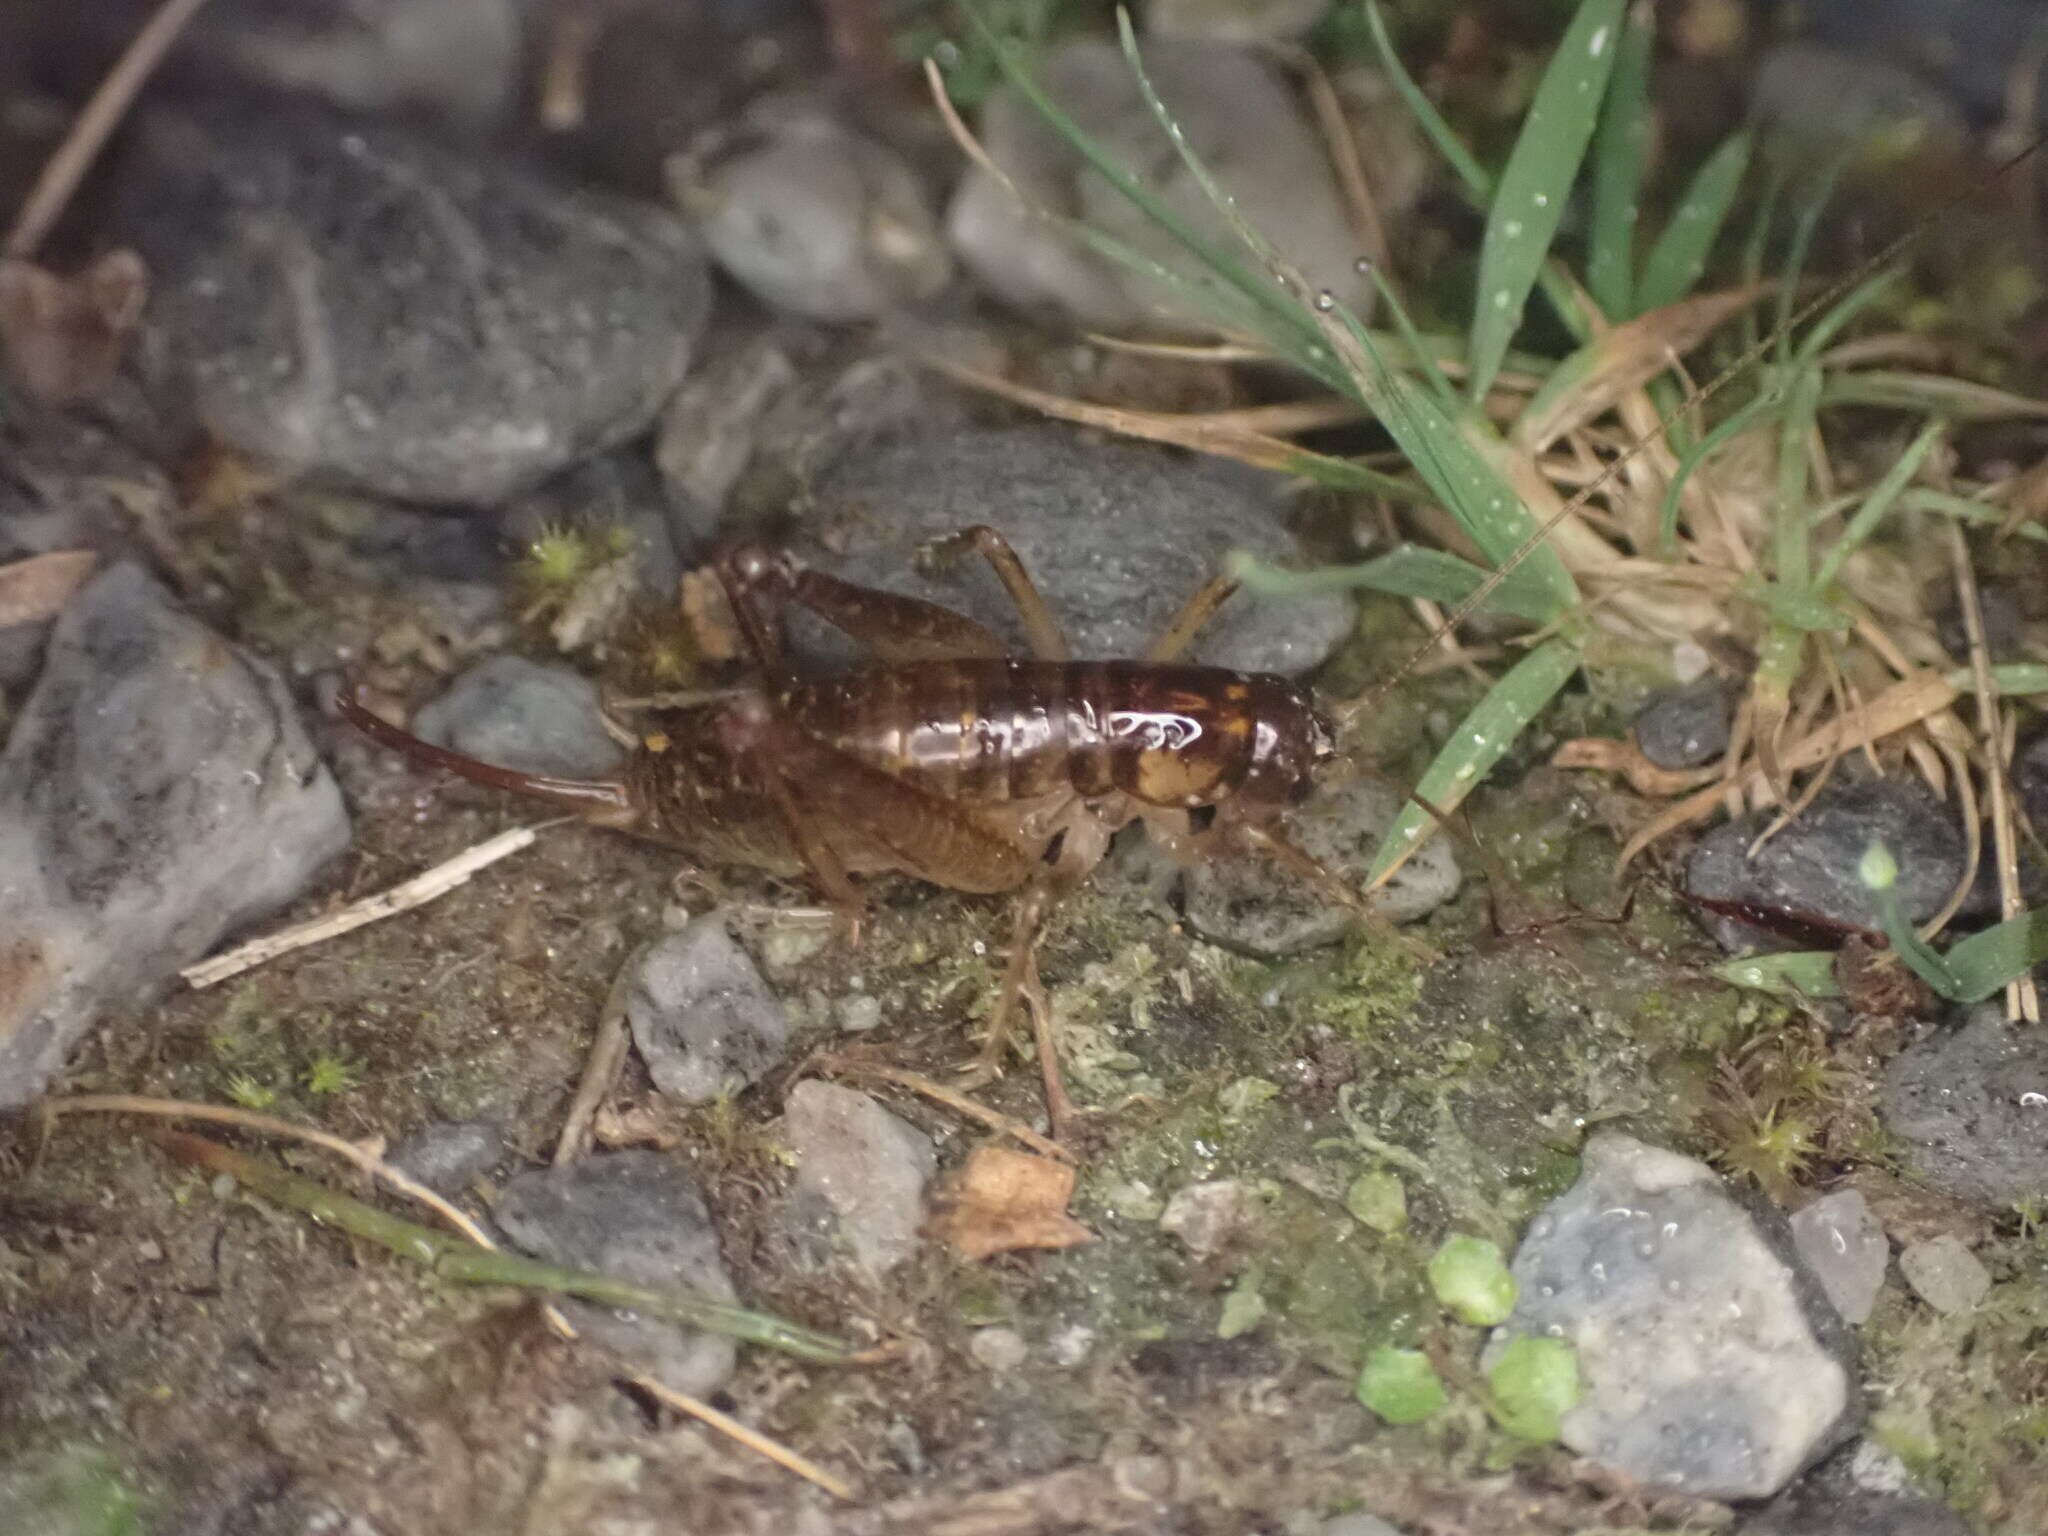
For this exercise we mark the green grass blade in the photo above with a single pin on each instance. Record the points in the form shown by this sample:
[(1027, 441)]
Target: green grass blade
[(1805, 973), (1921, 957), (1620, 149), (1469, 486), (1964, 509), (1680, 255), (1962, 399), (1529, 199), (1984, 962), (1479, 742), (1440, 133), (1281, 321), (1792, 535), (1853, 303), (1878, 504), (1407, 571)]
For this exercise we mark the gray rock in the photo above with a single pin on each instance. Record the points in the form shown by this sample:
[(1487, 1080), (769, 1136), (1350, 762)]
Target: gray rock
[(1211, 1216), (865, 1165), (700, 1013), (1255, 904), (1279, 177), (1811, 865), (1001, 1350), (449, 1155), (520, 714), (1686, 726), (1830, 1513), (815, 219), (157, 793), (1842, 1244), (1711, 1363), (636, 1216), (1970, 1109), (336, 300), (1945, 1274), (710, 425), (1116, 536), (1234, 21), (457, 60), (1356, 1525)]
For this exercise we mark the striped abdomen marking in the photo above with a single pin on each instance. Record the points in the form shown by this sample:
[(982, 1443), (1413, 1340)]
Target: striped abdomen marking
[(988, 732)]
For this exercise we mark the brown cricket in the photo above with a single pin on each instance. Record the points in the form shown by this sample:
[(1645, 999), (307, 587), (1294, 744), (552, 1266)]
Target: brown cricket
[(947, 759)]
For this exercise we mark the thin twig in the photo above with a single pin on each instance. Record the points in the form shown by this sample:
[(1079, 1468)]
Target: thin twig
[(847, 1064), (267, 1125), (1342, 145), (600, 1071), (2022, 1000), (65, 169), (422, 888), (752, 1439)]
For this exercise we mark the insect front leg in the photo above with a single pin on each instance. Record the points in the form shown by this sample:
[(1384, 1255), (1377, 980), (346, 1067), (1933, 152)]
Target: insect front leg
[(1047, 640), (761, 582)]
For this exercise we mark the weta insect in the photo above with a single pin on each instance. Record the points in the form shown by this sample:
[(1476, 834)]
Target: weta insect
[(949, 760)]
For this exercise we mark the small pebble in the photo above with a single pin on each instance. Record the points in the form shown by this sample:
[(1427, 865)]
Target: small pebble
[(701, 1016), (1209, 1218), (522, 714), (1710, 1362), (1812, 865), (1970, 1109), (1070, 1346), (858, 1013), (864, 1164), (449, 1156), (1001, 1350), (1844, 1246), (1686, 726), (636, 1216), (1945, 1274)]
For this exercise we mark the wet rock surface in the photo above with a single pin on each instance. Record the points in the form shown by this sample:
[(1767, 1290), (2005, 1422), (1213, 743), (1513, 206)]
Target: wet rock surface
[(449, 1156), (521, 714), (1855, 1514), (1686, 726), (814, 218), (454, 60), (1842, 1244), (865, 1166), (1710, 1361), (1234, 21), (1945, 1274), (1115, 536), (157, 793), (1280, 179), (1253, 903), (638, 1217), (1969, 1108), (337, 300), (1810, 866), (700, 1013)]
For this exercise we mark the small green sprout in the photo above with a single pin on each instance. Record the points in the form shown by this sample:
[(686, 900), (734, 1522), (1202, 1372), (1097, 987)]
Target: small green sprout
[(249, 1093), (330, 1074), (1471, 1279), (557, 558), (1401, 1386), (1535, 1381)]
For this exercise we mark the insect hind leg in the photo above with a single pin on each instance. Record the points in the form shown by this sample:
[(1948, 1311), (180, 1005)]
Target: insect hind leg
[(1047, 640)]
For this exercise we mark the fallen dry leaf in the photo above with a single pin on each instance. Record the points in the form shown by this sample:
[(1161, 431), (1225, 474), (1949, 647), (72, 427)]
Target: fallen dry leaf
[(1006, 1199), (37, 588), (1609, 755), (64, 335)]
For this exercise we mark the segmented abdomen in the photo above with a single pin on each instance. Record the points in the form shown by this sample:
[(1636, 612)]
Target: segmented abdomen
[(988, 732)]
